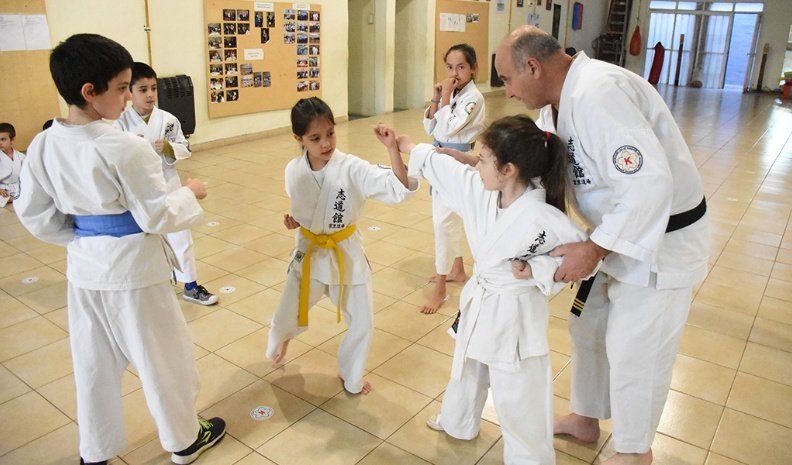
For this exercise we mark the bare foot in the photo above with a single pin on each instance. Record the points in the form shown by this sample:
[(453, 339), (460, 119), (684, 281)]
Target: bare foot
[(365, 390), (582, 428), (630, 459), (435, 300), (457, 274), (280, 354)]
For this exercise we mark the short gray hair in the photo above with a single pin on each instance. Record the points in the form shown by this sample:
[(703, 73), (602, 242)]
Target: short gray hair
[(538, 45)]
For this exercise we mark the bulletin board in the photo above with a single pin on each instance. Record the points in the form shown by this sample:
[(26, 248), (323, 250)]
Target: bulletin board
[(28, 96), (476, 34), (261, 56)]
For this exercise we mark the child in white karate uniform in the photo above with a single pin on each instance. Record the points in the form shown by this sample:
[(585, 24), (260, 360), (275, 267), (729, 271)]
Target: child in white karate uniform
[(101, 193), (163, 131), (454, 119), (512, 208), (328, 189), (10, 165)]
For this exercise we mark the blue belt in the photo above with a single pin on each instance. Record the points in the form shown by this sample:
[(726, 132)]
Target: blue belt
[(119, 225), (454, 145)]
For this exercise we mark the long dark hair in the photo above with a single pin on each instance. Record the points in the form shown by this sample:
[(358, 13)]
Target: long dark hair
[(467, 51), (305, 111), (535, 153)]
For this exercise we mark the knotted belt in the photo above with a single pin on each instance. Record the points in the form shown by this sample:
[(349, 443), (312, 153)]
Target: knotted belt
[(322, 241)]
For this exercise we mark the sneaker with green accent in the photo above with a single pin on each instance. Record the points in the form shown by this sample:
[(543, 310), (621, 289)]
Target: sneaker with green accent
[(211, 432)]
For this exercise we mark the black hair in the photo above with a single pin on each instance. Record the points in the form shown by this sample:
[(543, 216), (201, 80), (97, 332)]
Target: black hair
[(305, 111), (9, 128), (86, 58), (46, 125), (141, 71), (466, 50), (535, 153)]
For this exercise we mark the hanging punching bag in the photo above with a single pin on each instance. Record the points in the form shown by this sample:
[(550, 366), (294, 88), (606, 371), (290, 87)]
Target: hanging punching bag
[(657, 64), (635, 42)]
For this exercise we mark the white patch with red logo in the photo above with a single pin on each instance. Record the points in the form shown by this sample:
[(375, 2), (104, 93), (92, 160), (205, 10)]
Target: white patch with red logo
[(261, 413), (627, 159)]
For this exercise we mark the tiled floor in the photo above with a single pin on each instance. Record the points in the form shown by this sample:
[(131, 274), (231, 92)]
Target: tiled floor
[(732, 389)]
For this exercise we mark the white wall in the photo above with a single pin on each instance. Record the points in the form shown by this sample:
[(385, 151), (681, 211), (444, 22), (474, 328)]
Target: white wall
[(361, 54), (413, 69), (595, 17), (177, 42), (776, 21), (384, 55)]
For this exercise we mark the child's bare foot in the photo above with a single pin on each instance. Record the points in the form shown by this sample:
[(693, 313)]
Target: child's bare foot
[(630, 459), (280, 354), (582, 428), (366, 386), (457, 274), (436, 299)]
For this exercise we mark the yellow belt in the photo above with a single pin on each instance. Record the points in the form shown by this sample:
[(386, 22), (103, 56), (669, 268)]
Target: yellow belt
[(323, 241)]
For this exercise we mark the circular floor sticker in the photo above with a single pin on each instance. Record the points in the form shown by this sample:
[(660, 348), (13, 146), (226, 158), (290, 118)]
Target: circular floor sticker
[(29, 280), (212, 224), (374, 228), (261, 413), (227, 289)]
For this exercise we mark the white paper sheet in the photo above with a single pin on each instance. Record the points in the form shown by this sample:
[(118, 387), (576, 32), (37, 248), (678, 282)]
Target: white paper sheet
[(263, 6), (36, 32), (253, 54), (12, 33), (452, 22)]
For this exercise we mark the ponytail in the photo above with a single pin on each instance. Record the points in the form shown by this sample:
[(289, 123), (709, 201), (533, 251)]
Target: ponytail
[(554, 179)]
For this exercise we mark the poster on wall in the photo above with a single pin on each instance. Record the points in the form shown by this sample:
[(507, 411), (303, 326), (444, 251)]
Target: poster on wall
[(261, 55), (451, 22)]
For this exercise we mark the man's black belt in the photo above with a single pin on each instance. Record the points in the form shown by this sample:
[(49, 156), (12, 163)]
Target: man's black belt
[(675, 222)]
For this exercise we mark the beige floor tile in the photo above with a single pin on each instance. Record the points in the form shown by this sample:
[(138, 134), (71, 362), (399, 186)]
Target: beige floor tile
[(732, 290), (772, 333), (767, 362), (562, 383), (240, 234), (386, 253), (10, 385), (321, 438), (43, 365), (249, 352), (312, 377), (558, 336), (272, 244), (28, 335), (207, 246), (61, 392), (716, 459), (775, 309), (383, 347), (570, 445), (323, 325), (762, 398), (219, 379), (782, 271), (666, 451), (752, 440), (689, 419), (720, 320), (258, 307), (207, 272), (214, 223), (238, 288), (13, 311), (234, 258), (60, 318), (711, 347), (396, 284), (419, 368), (193, 311), (267, 271), (229, 451), (742, 262), (388, 454), (48, 253), (406, 321), (220, 328), (18, 263), (255, 459), (702, 379), (440, 448), (56, 448), (380, 412), (784, 256), (31, 281), (16, 429), (46, 299), (439, 339), (779, 289), (287, 409)]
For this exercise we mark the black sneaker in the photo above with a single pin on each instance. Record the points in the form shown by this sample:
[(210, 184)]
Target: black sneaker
[(452, 331), (82, 462), (211, 432), (200, 295)]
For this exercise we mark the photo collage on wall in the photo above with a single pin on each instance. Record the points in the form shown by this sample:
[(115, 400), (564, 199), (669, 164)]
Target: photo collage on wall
[(228, 71), (301, 27)]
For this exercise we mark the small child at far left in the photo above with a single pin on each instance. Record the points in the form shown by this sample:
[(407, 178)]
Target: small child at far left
[(10, 165)]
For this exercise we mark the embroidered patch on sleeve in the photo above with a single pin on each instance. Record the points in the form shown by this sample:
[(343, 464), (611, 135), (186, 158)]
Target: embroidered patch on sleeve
[(627, 159), (469, 107)]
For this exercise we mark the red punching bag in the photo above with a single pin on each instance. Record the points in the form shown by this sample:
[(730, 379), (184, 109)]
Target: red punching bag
[(635, 42), (657, 64)]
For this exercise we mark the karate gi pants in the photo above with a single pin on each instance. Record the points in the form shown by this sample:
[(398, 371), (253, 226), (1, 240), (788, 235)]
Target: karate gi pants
[(523, 401), (183, 248), (357, 310), (145, 327), (448, 235), (623, 349)]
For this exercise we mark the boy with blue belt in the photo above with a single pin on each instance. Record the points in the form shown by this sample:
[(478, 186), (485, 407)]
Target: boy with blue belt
[(101, 193)]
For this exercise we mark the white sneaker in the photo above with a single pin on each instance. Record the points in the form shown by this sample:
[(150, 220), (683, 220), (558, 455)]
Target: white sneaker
[(434, 423)]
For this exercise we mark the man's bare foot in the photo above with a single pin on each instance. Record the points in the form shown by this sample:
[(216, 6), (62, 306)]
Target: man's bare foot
[(457, 274), (582, 428), (365, 390), (630, 459), (280, 354), (436, 299)]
